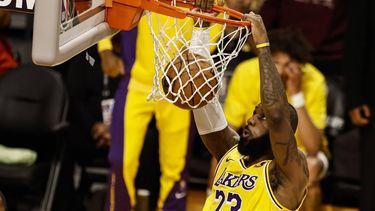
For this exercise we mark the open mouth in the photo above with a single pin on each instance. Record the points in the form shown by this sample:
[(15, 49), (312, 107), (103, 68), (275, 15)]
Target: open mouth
[(246, 132)]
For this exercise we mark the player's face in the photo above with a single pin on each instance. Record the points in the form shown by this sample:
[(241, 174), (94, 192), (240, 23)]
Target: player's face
[(254, 140), (256, 126)]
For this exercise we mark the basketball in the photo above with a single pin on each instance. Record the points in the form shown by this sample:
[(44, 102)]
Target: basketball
[(190, 81)]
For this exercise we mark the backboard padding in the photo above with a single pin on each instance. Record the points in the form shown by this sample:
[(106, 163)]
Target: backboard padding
[(53, 43)]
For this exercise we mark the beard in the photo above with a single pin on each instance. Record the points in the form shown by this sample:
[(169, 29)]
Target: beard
[(255, 147)]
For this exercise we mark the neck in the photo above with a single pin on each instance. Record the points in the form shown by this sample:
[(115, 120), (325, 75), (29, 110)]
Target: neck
[(249, 161)]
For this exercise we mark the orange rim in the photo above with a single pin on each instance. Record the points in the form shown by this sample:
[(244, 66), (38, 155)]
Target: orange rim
[(177, 12)]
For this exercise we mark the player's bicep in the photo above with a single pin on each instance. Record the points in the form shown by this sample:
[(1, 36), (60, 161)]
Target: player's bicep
[(287, 156), (218, 143)]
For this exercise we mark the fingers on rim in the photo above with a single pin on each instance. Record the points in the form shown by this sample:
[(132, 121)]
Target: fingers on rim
[(246, 17)]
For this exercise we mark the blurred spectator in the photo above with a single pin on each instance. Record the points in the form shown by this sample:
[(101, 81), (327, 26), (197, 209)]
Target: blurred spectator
[(305, 87), (89, 135), (323, 23), (7, 61), (86, 85), (359, 80)]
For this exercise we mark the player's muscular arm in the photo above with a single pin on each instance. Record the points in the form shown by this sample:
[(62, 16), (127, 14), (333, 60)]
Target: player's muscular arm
[(275, 108), (214, 130), (288, 162), (210, 120)]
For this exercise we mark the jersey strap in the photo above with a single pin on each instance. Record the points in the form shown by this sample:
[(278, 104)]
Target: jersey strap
[(272, 195)]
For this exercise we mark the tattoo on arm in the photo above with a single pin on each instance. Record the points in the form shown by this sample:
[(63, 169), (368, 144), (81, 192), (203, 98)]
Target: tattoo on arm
[(272, 89), (290, 155), (289, 164), (275, 104)]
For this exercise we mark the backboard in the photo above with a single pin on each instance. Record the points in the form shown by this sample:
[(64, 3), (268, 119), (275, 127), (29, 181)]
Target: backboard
[(64, 28)]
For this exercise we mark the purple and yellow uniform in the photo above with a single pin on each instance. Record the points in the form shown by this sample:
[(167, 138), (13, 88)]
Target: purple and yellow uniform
[(238, 187)]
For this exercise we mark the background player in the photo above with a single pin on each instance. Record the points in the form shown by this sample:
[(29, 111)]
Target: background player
[(131, 116), (265, 171)]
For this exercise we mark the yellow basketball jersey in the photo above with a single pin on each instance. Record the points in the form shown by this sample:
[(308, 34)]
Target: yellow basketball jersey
[(237, 187)]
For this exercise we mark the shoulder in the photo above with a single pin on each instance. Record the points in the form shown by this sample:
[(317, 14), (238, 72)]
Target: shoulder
[(290, 193), (286, 181)]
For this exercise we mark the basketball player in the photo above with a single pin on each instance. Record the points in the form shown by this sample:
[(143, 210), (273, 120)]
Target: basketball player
[(131, 116), (261, 169), (305, 87)]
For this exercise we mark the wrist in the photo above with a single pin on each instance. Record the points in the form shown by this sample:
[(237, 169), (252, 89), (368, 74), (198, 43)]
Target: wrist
[(297, 100), (200, 40), (262, 45), (263, 50), (201, 25), (210, 118)]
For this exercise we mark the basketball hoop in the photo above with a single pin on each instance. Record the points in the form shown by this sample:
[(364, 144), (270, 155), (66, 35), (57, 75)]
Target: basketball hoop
[(125, 14), (172, 24)]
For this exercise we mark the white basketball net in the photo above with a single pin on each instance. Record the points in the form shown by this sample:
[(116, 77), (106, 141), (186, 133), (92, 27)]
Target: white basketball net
[(172, 42)]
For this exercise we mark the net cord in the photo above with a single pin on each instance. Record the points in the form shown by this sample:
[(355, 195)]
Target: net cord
[(171, 42)]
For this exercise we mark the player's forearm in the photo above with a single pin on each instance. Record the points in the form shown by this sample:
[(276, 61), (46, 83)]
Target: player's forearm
[(200, 40), (214, 130), (218, 143), (276, 110), (237, 129), (310, 135), (210, 119), (273, 95)]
